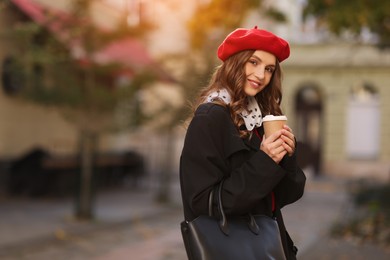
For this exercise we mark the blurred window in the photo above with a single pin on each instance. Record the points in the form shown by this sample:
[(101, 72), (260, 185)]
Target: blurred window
[(12, 75), (363, 123)]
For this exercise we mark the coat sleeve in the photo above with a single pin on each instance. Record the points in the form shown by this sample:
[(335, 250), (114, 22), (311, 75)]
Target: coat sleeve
[(212, 151), (201, 165), (292, 186)]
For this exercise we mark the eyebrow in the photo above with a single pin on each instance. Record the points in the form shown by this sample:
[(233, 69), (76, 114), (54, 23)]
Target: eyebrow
[(258, 58)]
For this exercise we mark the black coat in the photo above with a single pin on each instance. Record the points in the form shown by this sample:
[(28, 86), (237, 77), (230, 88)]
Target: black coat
[(214, 151)]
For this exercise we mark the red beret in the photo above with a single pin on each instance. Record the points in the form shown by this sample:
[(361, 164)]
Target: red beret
[(253, 39)]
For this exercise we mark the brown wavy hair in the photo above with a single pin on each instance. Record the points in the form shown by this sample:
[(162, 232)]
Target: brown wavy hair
[(231, 76)]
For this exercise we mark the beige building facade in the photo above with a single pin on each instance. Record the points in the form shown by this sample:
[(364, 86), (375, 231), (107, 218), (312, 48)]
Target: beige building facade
[(352, 84)]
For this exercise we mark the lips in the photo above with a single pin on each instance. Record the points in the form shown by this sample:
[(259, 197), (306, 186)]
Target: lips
[(254, 84)]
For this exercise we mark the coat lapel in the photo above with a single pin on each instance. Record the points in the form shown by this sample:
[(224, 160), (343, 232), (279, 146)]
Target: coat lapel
[(253, 141)]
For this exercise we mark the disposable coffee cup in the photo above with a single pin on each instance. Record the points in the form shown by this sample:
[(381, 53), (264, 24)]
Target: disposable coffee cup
[(272, 124)]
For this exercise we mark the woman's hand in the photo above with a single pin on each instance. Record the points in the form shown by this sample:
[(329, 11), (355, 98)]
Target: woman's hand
[(289, 140), (279, 144), (273, 146)]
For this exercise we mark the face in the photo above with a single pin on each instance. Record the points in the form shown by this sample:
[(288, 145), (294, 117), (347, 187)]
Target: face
[(258, 70)]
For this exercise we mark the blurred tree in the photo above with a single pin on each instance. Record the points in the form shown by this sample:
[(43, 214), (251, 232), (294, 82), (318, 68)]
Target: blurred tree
[(353, 16), (217, 15), (215, 19), (58, 58)]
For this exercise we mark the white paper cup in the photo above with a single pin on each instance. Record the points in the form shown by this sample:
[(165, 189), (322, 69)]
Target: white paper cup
[(272, 124)]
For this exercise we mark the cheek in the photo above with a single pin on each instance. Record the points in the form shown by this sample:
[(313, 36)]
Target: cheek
[(249, 69), (268, 78)]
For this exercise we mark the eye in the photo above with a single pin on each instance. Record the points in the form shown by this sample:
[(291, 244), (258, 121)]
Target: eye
[(253, 62), (270, 69)]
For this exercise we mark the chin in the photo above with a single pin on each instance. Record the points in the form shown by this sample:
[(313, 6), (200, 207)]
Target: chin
[(252, 92)]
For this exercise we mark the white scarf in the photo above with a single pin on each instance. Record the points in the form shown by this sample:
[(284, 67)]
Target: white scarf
[(253, 118)]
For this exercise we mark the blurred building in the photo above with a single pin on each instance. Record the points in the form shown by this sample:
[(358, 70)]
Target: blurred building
[(27, 127), (336, 95), (336, 92)]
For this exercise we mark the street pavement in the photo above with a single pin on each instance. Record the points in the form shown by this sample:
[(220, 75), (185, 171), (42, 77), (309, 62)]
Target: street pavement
[(130, 224)]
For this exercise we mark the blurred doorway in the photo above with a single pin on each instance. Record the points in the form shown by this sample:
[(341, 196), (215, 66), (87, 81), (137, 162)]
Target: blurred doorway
[(308, 109)]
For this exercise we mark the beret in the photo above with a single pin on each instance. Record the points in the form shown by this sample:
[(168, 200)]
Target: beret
[(253, 39)]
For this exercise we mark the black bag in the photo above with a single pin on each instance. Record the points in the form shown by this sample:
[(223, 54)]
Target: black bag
[(237, 238)]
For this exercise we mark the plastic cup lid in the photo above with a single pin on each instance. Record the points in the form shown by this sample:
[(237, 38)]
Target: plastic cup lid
[(274, 118)]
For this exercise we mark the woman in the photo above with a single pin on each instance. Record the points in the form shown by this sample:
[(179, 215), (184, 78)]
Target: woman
[(225, 141)]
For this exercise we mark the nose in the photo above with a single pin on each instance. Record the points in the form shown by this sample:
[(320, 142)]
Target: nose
[(260, 73)]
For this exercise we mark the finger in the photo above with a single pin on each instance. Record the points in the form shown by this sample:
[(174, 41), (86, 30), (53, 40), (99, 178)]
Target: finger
[(288, 133), (288, 140), (289, 145), (280, 149), (278, 142), (277, 155), (274, 146), (280, 156), (283, 153), (277, 145), (287, 128), (288, 148), (273, 149)]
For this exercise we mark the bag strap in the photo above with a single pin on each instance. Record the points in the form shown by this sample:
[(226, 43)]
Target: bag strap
[(223, 223), (211, 200)]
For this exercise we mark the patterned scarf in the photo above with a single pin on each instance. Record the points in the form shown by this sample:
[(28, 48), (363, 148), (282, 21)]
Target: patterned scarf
[(253, 118)]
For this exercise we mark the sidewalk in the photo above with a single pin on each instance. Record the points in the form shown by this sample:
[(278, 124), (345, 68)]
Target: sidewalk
[(32, 222), (310, 220)]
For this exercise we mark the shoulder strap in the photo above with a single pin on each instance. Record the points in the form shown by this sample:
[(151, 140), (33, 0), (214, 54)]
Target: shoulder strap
[(211, 199)]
